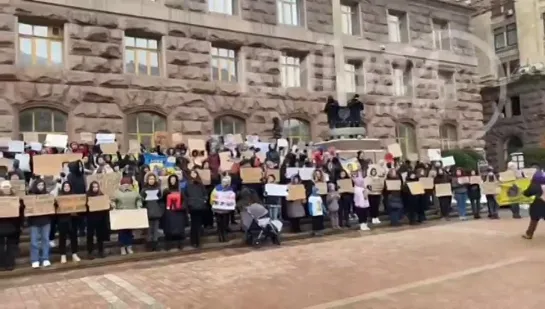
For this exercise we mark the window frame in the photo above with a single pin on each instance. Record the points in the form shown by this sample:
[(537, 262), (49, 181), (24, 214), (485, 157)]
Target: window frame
[(398, 20), (295, 68), (294, 139), (231, 61), (294, 12), (227, 7), (509, 29), (235, 121), (53, 130), (49, 38), (448, 134), (410, 130), (499, 33), (437, 34), (135, 50), (447, 80), (138, 135)]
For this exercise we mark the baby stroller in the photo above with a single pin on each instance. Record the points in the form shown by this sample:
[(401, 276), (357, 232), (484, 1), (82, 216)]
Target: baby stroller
[(258, 226)]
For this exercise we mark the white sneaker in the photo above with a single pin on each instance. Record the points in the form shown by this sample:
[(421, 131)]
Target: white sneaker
[(63, 259), (46, 263), (377, 220), (129, 250), (364, 227), (75, 257), (35, 265), (123, 251), (52, 244)]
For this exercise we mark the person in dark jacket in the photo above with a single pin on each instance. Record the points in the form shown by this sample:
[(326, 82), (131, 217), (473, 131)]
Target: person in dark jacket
[(9, 231), (393, 200), (175, 215), (445, 202), (272, 158), (68, 227), (16, 170), (474, 195), (273, 203), (412, 202), (345, 203), (195, 200), (537, 208), (151, 198), (97, 224), (356, 107), (39, 230), (331, 109), (76, 178)]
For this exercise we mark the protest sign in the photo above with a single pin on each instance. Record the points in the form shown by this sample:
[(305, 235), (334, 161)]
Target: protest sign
[(39, 205), (70, 204)]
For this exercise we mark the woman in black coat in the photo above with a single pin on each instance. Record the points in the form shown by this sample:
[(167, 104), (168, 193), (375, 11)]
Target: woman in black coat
[(537, 208), (175, 215)]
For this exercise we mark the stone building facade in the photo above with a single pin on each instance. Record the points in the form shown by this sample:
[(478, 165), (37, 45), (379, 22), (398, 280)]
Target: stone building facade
[(200, 72)]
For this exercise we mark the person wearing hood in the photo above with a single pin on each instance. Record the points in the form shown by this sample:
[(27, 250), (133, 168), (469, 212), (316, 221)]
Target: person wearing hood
[(393, 199), (151, 197), (195, 200), (16, 170), (361, 202), (273, 156), (491, 202), (294, 209), (375, 196), (103, 167), (223, 198), (460, 193), (355, 107), (67, 225), (474, 195), (144, 170), (126, 198), (537, 208), (97, 224), (345, 203), (445, 202), (76, 178), (317, 211), (412, 202), (175, 215), (40, 227), (9, 232), (331, 109)]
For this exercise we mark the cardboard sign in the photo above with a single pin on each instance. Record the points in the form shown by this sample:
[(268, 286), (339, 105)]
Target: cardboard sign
[(377, 184), (110, 149), (8, 163), (161, 138), (415, 187), (51, 164), (434, 154), (205, 176), (98, 203), (413, 157), (247, 154), (490, 188), (31, 137), (508, 176), (395, 150), (226, 163), (427, 183), (134, 146), (345, 185), (9, 207), (322, 187), (177, 139), (196, 144), (39, 205), (251, 174), (529, 172), (443, 189), (296, 192), (275, 173), (393, 185), (463, 180), (129, 219), (276, 190), (475, 180), (71, 204), (19, 187), (87, 138), (108, 182)]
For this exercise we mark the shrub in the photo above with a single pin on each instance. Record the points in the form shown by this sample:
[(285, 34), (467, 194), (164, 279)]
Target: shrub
[(534, 156)]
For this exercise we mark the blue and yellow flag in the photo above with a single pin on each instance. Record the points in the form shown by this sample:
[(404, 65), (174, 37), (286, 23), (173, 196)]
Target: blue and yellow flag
[(512, 192)]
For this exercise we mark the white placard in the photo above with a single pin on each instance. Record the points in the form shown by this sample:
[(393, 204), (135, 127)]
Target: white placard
[(16, 146), (152, 195), (434, 154), (276, 190), (252, 139), (306, 173), (291, 171), (225, 200), (36, 146), (448, 161), (105, 138), (282, 142), (56, 140), (24, 161)]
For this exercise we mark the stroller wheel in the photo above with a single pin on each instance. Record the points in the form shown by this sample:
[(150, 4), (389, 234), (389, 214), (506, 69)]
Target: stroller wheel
[(256, 242)]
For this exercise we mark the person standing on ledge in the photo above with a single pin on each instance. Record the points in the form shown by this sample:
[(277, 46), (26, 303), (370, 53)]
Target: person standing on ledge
[(331, 109), (356, 107)]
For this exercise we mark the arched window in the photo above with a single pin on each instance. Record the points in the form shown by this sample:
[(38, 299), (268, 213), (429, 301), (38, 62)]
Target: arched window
[(296, 130), (143, 125), (512, 145), (229, 125), (42, 121), (406, 138), (449, 136)]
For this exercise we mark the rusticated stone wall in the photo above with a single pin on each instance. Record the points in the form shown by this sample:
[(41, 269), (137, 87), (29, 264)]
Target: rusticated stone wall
[(528, 127)]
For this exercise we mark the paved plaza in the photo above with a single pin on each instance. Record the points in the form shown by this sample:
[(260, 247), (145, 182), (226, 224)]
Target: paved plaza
[(475, 264)]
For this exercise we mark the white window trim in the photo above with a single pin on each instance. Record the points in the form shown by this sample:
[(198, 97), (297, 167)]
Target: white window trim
[(228, 59), (281, 4), (293, 68), (226, 9), (439, 45)]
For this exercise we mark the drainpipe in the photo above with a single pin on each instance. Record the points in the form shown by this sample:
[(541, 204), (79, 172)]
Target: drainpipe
[(338, 49)]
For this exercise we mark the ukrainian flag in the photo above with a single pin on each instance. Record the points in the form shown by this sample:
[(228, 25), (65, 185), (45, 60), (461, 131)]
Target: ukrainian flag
[(512, 192)]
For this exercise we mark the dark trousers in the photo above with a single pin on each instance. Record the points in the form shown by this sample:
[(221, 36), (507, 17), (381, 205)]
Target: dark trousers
[(68, 228), (173, 241), (492, 206), (317, 223), (295, 225), (222, 221), (515, 209), (344, 212), (395, 215), (196, 224), (374, 203), (53, 229), (445, 205), (97, 228), (411, 208), (475, 207), (362, 213), (8, 251)]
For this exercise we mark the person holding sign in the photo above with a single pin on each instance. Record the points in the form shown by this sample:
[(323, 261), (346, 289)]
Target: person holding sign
[(474, 193), (67, 225), (175, 215), (332, 200), (412, 200), (361, 202), (9, 231), (345, 204), (126, 198), (97, 223), (459, 189), (40, 227), (195, 200), (151, 198), (273, 203), (491, 202), (393, 198), (294, 209), (537, 208), (376, 185), (223, 200), (445, 202), (317, 211)]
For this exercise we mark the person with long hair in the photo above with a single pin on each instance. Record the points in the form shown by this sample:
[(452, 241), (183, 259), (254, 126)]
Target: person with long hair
[(537, 208), (195, 200)]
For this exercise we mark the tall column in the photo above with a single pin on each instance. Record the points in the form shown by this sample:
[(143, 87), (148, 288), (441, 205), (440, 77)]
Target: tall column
[(338, 49)]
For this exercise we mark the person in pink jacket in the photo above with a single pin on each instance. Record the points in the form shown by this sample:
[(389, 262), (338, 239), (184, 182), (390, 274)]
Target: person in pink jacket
[(361, 202)]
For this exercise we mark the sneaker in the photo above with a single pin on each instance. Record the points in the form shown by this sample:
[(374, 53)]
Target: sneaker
[(526, 236), (35, 265), (63, 259), (129, 250), (123, 251), (75, 257), (46, 263), (376, 221), (364, 227), (52, 244)]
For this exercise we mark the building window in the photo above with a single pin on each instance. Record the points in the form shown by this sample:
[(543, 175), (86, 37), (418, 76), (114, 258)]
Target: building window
[(40, 45), (402, 81), (514, 65), (221, 6), (351, 78), (447, 87), (516, 109), (141, 56), (229, 125), (290, 68), (441, 34), (499, 38), (398, 30), (42, 121), (449, 136), (224, 64), (513, 145), (406, 138), (142, 126), (288, 12), (296, 131), (350, 18), (511, 34)]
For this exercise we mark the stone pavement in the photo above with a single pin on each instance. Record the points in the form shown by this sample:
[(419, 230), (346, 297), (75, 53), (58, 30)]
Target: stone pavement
[(475, 264)]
